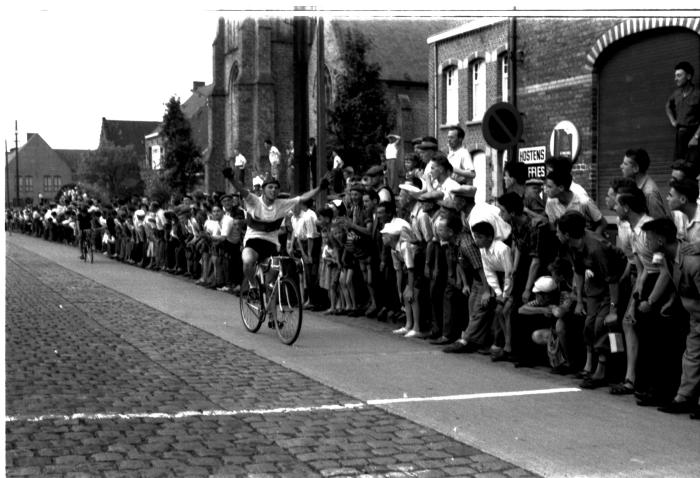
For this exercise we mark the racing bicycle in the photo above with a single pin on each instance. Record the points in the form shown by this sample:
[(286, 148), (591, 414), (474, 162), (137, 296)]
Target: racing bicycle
[(275, 278), (87, 245)]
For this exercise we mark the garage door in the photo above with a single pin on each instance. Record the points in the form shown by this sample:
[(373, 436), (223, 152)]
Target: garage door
[(635, 80)]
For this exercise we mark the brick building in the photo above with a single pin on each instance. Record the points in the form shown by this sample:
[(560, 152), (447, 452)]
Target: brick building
[(42, 171), (609, 78), (252, 97)]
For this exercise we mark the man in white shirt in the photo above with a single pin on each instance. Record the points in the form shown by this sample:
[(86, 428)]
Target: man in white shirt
[(391, 153), (273, 154), (459, 157), (239, 163)]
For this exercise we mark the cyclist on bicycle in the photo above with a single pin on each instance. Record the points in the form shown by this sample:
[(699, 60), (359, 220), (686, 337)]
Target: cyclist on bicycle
[(264, 218), (85, 228)]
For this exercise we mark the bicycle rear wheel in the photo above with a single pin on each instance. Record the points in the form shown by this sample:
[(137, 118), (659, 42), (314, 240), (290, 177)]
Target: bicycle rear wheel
[(252, 311), (289, 311)]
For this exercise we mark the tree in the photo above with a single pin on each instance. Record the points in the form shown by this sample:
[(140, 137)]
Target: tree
[(181, 164), (113, 170), (361, 117)]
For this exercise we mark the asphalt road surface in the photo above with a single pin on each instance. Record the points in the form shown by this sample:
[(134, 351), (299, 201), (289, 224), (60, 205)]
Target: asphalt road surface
[(118, 371)]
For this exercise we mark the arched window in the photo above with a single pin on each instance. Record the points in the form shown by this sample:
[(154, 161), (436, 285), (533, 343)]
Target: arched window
[(451, 95), (478, 89)]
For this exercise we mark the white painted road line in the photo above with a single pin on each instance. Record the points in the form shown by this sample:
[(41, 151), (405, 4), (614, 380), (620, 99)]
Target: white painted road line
[(183, 414), (285, 410), (472, 396)]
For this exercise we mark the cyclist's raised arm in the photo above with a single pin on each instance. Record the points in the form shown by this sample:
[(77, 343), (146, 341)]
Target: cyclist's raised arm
[(310, 194), (237, 184)]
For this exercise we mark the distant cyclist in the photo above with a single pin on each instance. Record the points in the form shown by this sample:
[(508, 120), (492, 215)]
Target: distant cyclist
[(85, 221), (264, 216)]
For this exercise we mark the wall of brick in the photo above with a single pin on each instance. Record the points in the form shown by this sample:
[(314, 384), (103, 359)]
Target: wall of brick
[(557, 87), (555, 79), (485, 44)]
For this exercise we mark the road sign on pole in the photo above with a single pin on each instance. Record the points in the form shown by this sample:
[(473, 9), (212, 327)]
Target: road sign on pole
[(502, 126)]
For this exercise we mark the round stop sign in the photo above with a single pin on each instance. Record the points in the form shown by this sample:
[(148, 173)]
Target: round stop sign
[(502, 126)]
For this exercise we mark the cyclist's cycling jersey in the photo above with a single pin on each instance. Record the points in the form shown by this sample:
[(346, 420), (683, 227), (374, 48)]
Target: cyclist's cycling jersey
[(264, 221), (84, 221)]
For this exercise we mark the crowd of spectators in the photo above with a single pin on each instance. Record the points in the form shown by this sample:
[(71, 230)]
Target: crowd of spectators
[(535, 278)]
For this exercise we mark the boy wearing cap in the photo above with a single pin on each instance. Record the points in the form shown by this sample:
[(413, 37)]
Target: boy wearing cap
[(541, 313), (375, 180)]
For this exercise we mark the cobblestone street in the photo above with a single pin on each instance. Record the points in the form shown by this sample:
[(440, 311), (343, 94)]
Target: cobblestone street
[(159, 397)]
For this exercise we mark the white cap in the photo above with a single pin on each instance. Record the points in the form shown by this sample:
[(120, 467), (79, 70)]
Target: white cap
[(257, 181), (409, 187), (395, 227), (544, 284)]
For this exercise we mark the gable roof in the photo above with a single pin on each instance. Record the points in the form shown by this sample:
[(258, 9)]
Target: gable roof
[(197, 101), (398, 45), (127, 133), (72, 157), (34, 141)]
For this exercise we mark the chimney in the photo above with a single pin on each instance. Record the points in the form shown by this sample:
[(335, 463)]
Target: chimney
[(197, 85), (29, 136)]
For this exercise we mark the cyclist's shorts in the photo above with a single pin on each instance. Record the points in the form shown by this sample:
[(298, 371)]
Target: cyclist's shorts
[(264, 248)]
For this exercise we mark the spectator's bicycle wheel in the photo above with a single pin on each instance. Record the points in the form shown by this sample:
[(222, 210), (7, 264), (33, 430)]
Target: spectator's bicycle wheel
[(252, 307), (289, 311)]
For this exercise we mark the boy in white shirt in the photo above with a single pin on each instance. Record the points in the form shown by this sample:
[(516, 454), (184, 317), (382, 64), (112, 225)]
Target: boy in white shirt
[(497, 261)]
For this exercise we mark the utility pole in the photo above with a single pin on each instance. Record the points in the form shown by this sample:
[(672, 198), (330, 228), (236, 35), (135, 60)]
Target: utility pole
[(7, 178), (320, 105), (17, 164), (301, 103)]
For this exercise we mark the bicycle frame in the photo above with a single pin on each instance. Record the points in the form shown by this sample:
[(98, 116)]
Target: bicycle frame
[(276, 289)]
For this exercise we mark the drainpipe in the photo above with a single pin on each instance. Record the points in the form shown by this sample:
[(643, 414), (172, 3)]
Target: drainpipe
[(512, 77), (435, 95)]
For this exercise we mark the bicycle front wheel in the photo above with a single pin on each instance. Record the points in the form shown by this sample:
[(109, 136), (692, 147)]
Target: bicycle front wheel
[(289, 311), (252, 307)]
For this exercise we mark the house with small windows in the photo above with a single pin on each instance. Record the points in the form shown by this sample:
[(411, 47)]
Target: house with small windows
[(471, 65), (589, 88), (196, 109), (39, 170)]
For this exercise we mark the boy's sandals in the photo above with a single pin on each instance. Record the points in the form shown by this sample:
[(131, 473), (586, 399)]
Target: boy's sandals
[(624, 388)]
